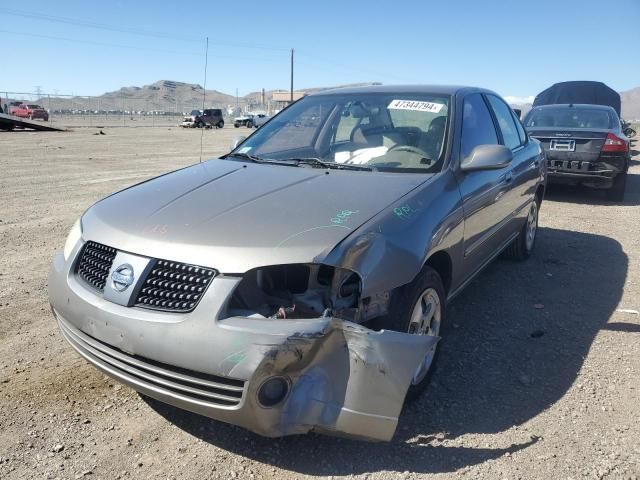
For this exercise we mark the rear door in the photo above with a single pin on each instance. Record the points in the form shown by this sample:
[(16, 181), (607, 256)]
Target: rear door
[(524, 166), (482, 191)]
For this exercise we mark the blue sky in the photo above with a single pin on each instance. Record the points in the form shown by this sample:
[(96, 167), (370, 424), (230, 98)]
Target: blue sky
[(514, 47)]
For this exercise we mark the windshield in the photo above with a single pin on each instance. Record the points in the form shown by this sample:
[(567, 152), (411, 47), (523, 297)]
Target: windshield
[(383, 131), (34, 107), (569, 117), (195, 113)]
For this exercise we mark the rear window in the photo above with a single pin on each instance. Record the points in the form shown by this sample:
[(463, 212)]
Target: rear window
[(569, 117)]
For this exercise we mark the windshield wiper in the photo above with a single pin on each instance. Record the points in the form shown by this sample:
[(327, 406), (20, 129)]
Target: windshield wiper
[(256, 159), (322, 164)]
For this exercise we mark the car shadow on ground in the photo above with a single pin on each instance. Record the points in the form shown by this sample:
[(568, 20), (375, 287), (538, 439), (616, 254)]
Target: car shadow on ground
[(592, 196), (513, 344)]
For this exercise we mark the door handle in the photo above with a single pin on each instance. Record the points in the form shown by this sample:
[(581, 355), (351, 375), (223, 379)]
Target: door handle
[(508, 177)]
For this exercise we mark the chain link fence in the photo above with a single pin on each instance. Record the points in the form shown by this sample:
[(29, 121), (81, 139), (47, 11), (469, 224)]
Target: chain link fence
[(112, 110)]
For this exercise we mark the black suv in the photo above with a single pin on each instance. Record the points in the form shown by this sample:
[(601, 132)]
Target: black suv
[(210, 117)]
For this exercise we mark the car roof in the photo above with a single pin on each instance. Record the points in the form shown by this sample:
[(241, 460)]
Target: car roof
[(433, 89), (574, 105)]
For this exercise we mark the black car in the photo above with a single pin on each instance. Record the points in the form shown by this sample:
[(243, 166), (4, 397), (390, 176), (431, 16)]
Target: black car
[(584, 144), (210, 117)]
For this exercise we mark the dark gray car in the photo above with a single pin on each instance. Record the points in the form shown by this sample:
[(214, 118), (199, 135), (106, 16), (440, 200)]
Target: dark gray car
[(299, 283), (583, 144)]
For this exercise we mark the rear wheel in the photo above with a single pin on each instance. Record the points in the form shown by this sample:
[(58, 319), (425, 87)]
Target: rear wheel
[(220, 124), (522, 245), (418, 308), (616, 192)]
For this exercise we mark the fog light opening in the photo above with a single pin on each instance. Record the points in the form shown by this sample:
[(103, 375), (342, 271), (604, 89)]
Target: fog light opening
[(273, 391)]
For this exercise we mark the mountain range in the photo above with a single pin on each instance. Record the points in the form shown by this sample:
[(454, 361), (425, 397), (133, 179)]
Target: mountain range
[(173, 96), (164, 95)]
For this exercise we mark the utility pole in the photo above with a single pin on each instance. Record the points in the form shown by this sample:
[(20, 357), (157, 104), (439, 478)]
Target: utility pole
[(291, 95), (236, 99)]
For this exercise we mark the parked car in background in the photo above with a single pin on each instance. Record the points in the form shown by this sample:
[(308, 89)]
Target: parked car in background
[(260, 119), (30, 111), (12, 107), (244, 120), (583, 144), (210, 117), (300, 282)]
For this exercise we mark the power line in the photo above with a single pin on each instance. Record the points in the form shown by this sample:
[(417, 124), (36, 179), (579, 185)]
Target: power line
[(129, 47), (344, 66), (132, 31)]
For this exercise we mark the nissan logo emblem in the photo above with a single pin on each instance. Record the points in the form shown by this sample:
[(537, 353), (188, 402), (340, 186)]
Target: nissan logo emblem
[(122, 277)]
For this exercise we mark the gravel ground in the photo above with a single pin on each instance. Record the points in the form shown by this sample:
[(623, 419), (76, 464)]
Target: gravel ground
[(538, 373)]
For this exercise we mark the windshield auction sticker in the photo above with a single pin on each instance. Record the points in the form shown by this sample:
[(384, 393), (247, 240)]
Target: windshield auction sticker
[(415, 105)]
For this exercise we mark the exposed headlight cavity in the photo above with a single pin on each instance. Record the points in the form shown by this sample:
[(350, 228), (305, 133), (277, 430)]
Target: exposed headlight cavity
[(296, 291), (75, 234)]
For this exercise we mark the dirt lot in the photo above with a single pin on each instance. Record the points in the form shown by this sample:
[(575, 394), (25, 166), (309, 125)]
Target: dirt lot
[(538, 375)]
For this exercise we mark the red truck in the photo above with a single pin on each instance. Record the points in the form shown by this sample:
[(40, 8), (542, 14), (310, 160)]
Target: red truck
[(30, 111)]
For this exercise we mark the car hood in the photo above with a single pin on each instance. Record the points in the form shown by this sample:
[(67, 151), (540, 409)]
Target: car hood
[(235, 216)]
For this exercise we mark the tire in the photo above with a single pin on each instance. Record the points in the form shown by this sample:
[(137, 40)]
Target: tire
[(200, 124), (220, 124), (616, 192), (249, 124), (407, 304), (236, 125), (523, 245)]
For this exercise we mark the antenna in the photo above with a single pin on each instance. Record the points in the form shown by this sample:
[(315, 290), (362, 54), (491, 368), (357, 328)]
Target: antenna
[(204, 94)]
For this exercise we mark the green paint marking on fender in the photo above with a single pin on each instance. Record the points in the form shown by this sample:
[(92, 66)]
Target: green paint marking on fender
[(343, 216), (404, 211)]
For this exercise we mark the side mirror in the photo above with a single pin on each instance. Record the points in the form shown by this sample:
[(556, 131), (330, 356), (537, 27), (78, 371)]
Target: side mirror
[(487, 157), (237, 141)]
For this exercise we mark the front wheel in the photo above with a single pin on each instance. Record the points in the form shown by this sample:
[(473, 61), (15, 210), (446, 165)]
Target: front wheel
[(419, 309), (200, 125), (249, 124), (522, 246)]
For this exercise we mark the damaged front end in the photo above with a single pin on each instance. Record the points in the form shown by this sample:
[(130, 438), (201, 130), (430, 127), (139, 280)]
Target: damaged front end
[(331, 375), (341, 378), (237, 359)]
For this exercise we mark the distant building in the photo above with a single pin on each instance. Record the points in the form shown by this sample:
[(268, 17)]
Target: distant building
[(282, 99)]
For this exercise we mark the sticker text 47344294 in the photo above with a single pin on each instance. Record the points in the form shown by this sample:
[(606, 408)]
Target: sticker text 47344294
[(415, 105)]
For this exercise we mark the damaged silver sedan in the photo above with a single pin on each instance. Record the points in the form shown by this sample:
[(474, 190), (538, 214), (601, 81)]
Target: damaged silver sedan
[(299, 283)]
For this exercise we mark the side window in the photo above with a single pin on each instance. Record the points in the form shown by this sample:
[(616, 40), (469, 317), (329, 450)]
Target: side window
[(505, 121), (521, 131), (477, 125)]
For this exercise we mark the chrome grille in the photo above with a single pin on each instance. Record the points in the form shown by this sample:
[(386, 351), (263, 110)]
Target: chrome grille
[(95, 263), (174, 286), (187, 385)]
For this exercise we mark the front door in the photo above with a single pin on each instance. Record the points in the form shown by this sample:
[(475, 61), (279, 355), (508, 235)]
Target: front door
[(483, 191)]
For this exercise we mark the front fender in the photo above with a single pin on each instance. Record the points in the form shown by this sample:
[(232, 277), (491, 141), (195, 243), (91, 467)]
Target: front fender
[(392, 247)]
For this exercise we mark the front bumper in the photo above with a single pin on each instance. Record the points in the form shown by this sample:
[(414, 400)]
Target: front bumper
[(344, 379)]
